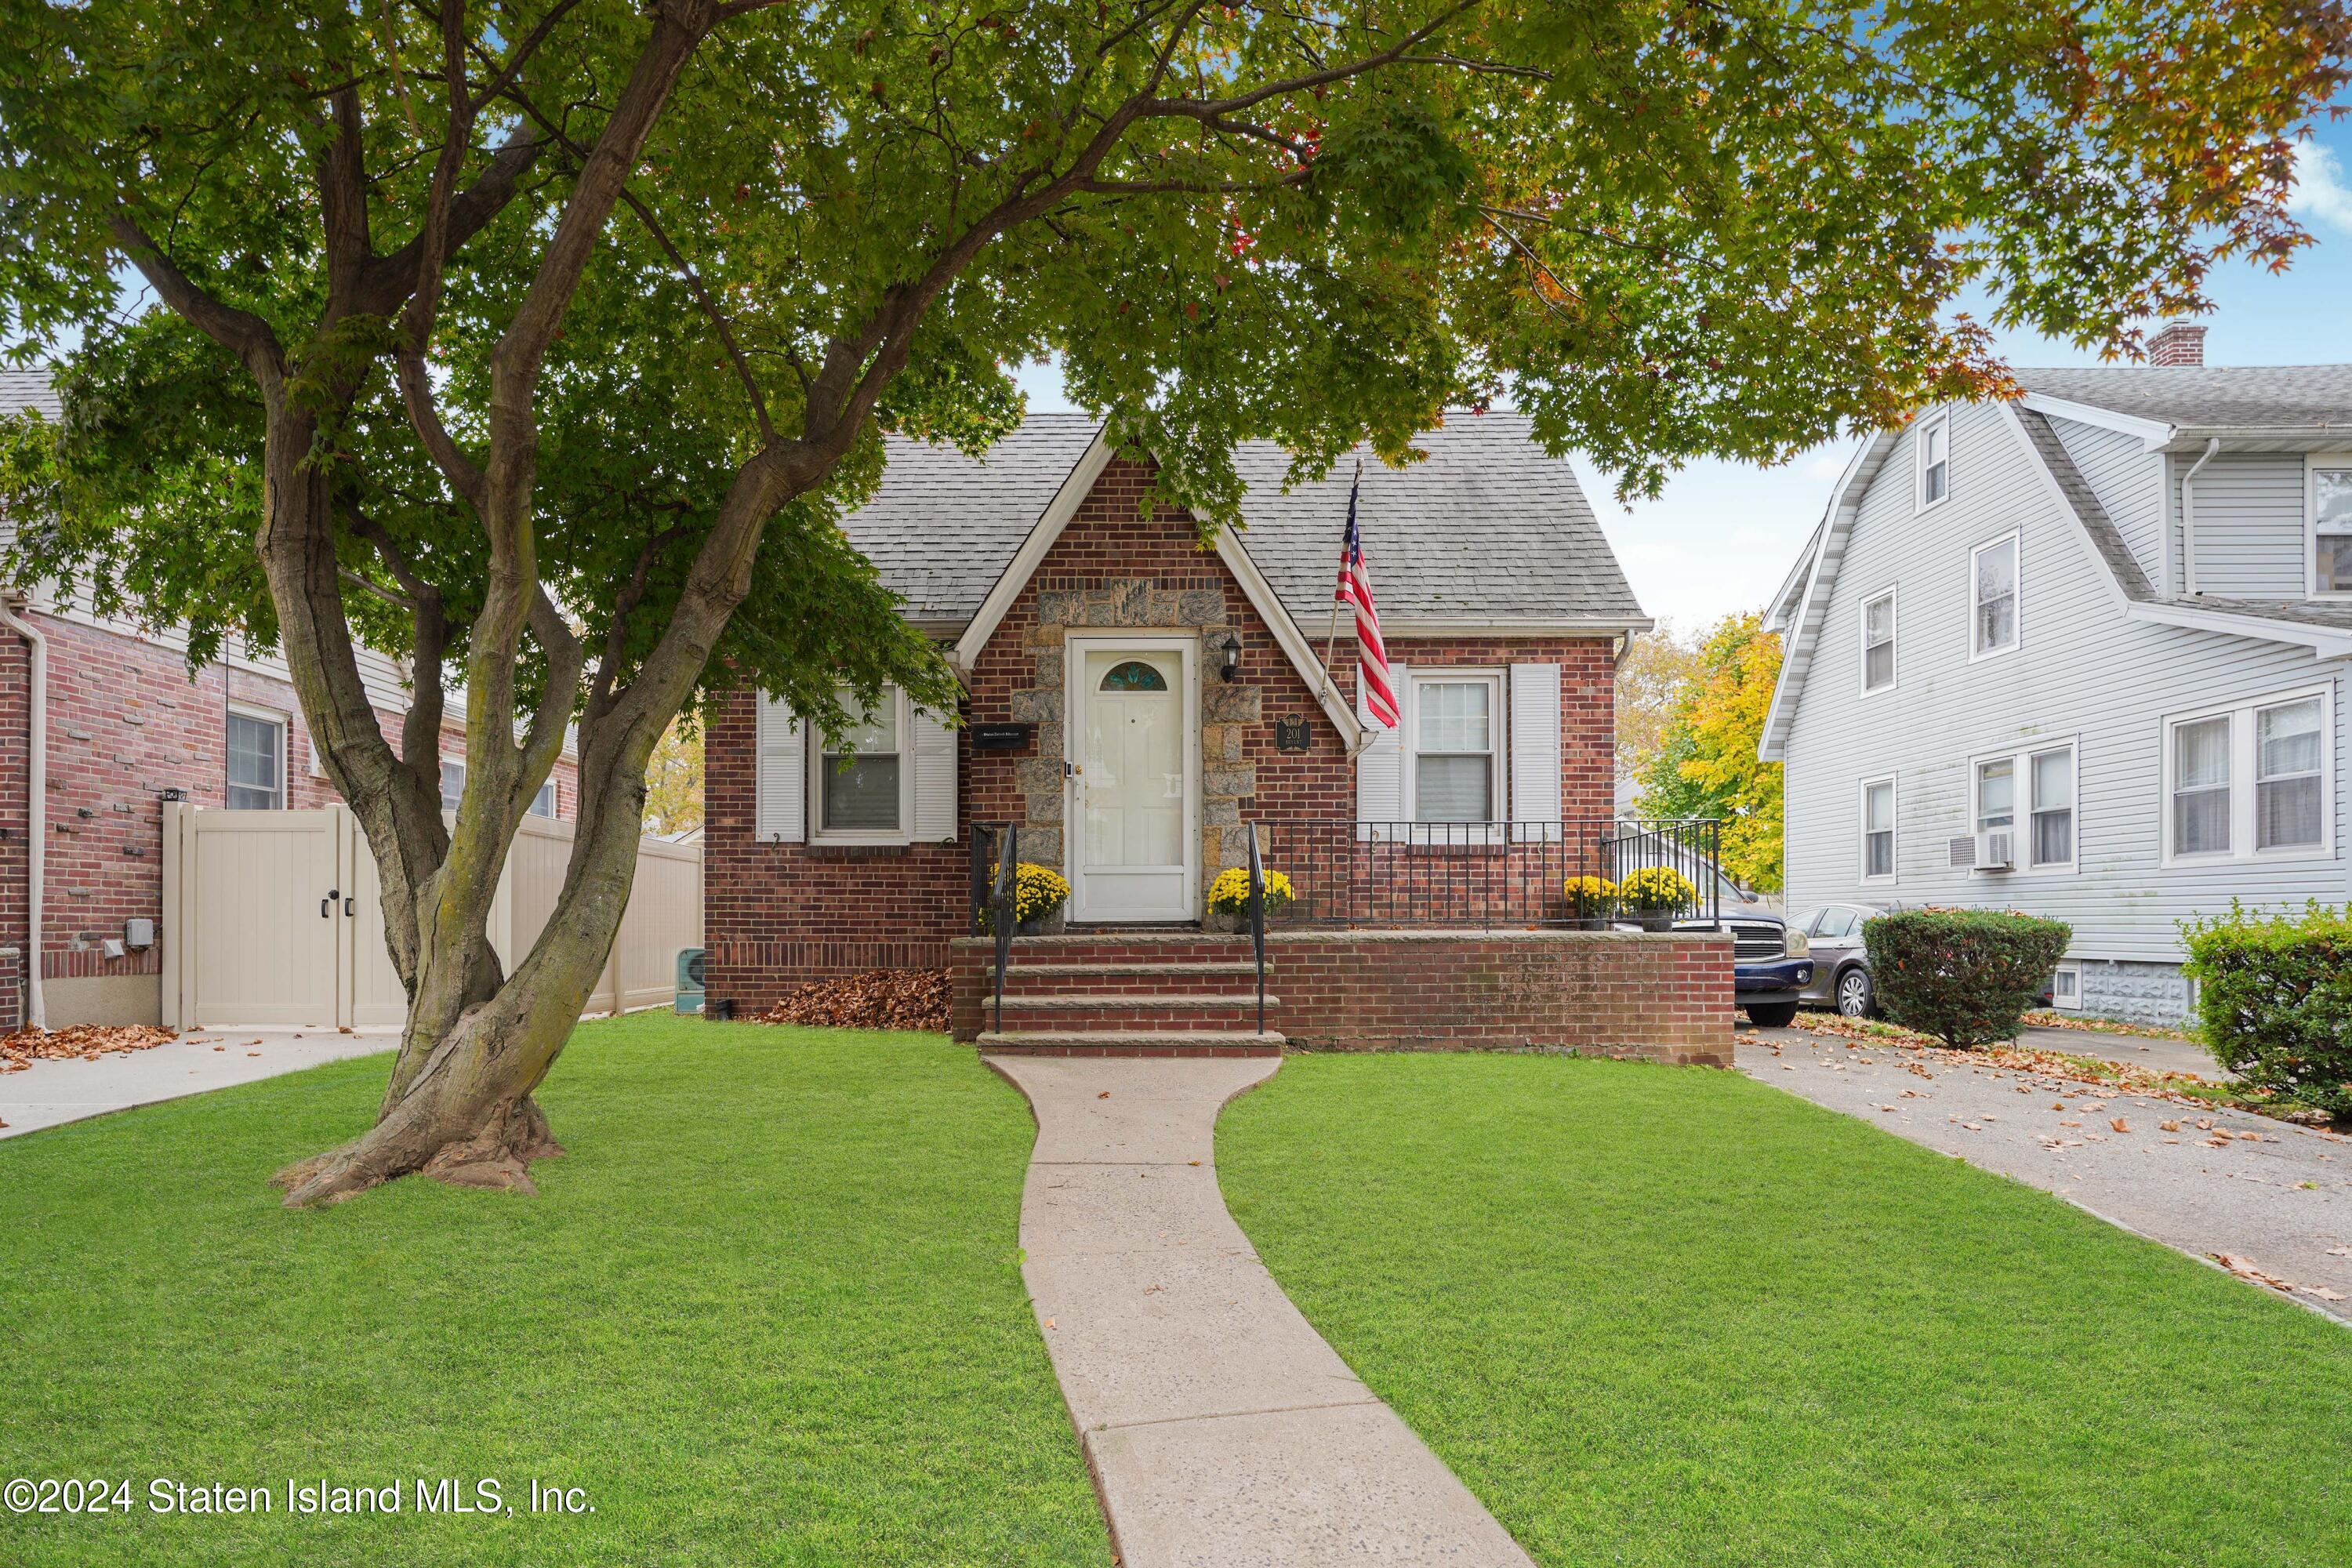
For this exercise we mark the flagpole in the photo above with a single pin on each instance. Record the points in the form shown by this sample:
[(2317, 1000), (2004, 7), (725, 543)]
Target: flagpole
[(1331, 639)]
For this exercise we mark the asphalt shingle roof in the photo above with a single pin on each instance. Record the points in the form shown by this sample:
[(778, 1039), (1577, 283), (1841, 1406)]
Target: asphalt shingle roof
[(2208, 397), (1488, 526), (2105, 536)]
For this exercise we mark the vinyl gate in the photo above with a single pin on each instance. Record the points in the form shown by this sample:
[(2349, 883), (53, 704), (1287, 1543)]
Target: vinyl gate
[(277, 918)]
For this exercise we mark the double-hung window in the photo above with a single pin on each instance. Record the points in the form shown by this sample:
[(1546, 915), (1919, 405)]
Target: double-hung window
[(863, 778), (1878, 643), (256, 761), (1878, 830), (2330, 504), (1935, 459), (2253, 780), (1993, 589), (1456, 749), (453, 784), (543, 802), (2038, 786)]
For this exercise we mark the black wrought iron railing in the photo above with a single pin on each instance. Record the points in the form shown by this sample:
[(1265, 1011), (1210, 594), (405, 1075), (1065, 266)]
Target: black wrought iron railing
[(1595, 872), (996, 893), (1257, 920)]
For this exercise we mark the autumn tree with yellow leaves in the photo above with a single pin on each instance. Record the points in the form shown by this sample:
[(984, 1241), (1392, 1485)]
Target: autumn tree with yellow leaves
[(1706, 764)]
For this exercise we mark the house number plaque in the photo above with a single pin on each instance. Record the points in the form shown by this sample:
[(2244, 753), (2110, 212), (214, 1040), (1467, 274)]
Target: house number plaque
[(1290, 732)]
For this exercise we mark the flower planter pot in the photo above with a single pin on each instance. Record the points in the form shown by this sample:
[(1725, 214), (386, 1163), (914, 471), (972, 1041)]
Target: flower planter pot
[(1052, 924), (1587, 922), (1225, 922), (1656, 919)]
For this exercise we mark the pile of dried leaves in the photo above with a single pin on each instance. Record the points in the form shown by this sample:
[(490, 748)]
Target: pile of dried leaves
[(2181, 1088), (2084, 1024), (81, 1042), (877, 999)]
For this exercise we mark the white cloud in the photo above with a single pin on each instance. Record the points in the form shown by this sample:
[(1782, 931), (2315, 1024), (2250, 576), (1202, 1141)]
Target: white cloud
[(2321, 195)]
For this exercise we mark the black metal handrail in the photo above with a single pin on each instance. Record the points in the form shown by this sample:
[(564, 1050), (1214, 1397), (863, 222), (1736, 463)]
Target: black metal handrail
[(1257, 920), (1489, 875), (1005, 912)]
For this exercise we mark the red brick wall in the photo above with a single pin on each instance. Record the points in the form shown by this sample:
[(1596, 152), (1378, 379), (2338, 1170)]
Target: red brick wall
[(1662, 996), (776, 915), (126, 723)]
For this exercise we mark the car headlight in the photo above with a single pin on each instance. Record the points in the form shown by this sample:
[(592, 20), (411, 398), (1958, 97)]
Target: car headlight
[(1800, 944)]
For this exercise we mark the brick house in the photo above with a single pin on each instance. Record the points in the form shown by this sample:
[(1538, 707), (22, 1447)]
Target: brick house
[(1135, 704), (128, 722)]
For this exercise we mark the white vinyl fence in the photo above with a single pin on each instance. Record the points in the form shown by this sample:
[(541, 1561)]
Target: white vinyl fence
[(277, 918)]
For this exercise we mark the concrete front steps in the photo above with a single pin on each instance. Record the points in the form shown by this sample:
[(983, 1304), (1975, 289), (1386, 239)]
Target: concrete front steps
[(1156, 994)]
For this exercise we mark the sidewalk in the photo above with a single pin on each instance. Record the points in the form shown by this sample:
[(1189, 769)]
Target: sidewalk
[(51, 1093), (2131, 1050), (1221, 1429)]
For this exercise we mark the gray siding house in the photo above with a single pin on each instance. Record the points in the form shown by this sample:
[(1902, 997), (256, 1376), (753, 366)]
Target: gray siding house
[(2083, 655)]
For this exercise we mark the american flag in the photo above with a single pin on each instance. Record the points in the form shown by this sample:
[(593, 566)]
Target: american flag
[(1356, 588)]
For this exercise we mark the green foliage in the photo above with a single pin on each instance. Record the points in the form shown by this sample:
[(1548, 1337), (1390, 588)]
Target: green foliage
[(1966, 976), (2274, 1000), (1728, 230), (1705, 763)]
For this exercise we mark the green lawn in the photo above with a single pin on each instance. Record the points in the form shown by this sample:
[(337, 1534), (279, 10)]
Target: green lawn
[(768, 1310), (1657, 1315)]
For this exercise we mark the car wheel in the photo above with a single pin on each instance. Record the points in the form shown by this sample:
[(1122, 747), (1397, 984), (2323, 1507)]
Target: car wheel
[(1856, 997), (1772, 1015)]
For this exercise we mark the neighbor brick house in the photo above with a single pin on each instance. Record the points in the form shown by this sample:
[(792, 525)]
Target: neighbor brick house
[(1135, 703), (128, 722)]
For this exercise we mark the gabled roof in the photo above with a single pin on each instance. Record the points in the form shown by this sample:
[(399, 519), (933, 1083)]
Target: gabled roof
[(2106, 539), (2209, 399), (1074, 488), (1490, 531)]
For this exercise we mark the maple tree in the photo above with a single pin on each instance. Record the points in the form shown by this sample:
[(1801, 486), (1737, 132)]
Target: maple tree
[(1706, 762), (540, 343)]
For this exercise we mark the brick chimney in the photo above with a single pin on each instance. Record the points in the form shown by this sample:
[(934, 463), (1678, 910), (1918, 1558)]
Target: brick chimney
[(2178, 343)]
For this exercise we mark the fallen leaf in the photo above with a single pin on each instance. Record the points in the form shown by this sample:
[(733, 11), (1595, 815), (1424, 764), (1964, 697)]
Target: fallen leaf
[(2339, 1252), (2221, 1142), (2072, 1123), (2204, 1124), (2119, 1124), (2322, 1291), (1104, 1095), (2167, 1126)]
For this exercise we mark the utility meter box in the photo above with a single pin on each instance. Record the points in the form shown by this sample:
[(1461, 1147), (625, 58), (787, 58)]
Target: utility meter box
[(690, 980)]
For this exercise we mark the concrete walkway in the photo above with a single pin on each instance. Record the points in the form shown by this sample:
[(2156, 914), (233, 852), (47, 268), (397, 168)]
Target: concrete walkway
[(1221, 1430), (49, 1093)]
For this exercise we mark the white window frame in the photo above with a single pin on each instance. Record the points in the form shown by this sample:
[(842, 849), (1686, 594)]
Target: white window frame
[(284, 723), (1498, 748), (2243, 795), (1862, 838), (1940, 420), (446, 763), (1894, 641), (2015, 540), (2312, 464), (547, 792), (2020, 758), (2060, 1004), (818, 833)]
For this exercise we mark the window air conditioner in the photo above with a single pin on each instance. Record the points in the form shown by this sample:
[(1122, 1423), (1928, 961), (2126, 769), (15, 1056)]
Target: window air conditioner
[(1993, 849)]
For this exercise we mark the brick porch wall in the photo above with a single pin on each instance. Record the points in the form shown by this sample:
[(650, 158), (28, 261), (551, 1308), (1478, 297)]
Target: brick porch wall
[(1663, 996), (776, 915)]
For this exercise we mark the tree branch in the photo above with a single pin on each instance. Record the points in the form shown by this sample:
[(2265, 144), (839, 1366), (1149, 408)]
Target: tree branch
[(241, 332)]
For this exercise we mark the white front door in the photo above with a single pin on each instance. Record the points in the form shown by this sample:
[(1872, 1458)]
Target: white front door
[(1133, 823)]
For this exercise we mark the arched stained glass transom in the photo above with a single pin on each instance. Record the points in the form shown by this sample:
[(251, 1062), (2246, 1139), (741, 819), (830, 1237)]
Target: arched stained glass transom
[(1133, 675)]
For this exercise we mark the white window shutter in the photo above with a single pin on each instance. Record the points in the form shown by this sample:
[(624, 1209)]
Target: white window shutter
[(1535, 748), (1379, 768), (780, 766), (935, 779)]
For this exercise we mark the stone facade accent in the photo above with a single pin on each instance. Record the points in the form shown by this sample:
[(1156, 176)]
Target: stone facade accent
[(126, 723), (777, 915)]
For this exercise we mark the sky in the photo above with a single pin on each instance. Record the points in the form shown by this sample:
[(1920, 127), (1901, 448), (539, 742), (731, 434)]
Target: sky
[(1723, 535)]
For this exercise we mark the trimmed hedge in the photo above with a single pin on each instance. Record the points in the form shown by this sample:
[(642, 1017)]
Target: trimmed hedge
[(2274, 1000), (1966, 976)]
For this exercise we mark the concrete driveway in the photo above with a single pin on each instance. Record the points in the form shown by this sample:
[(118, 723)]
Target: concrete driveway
[(2280, 1199), (49, 1093)]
